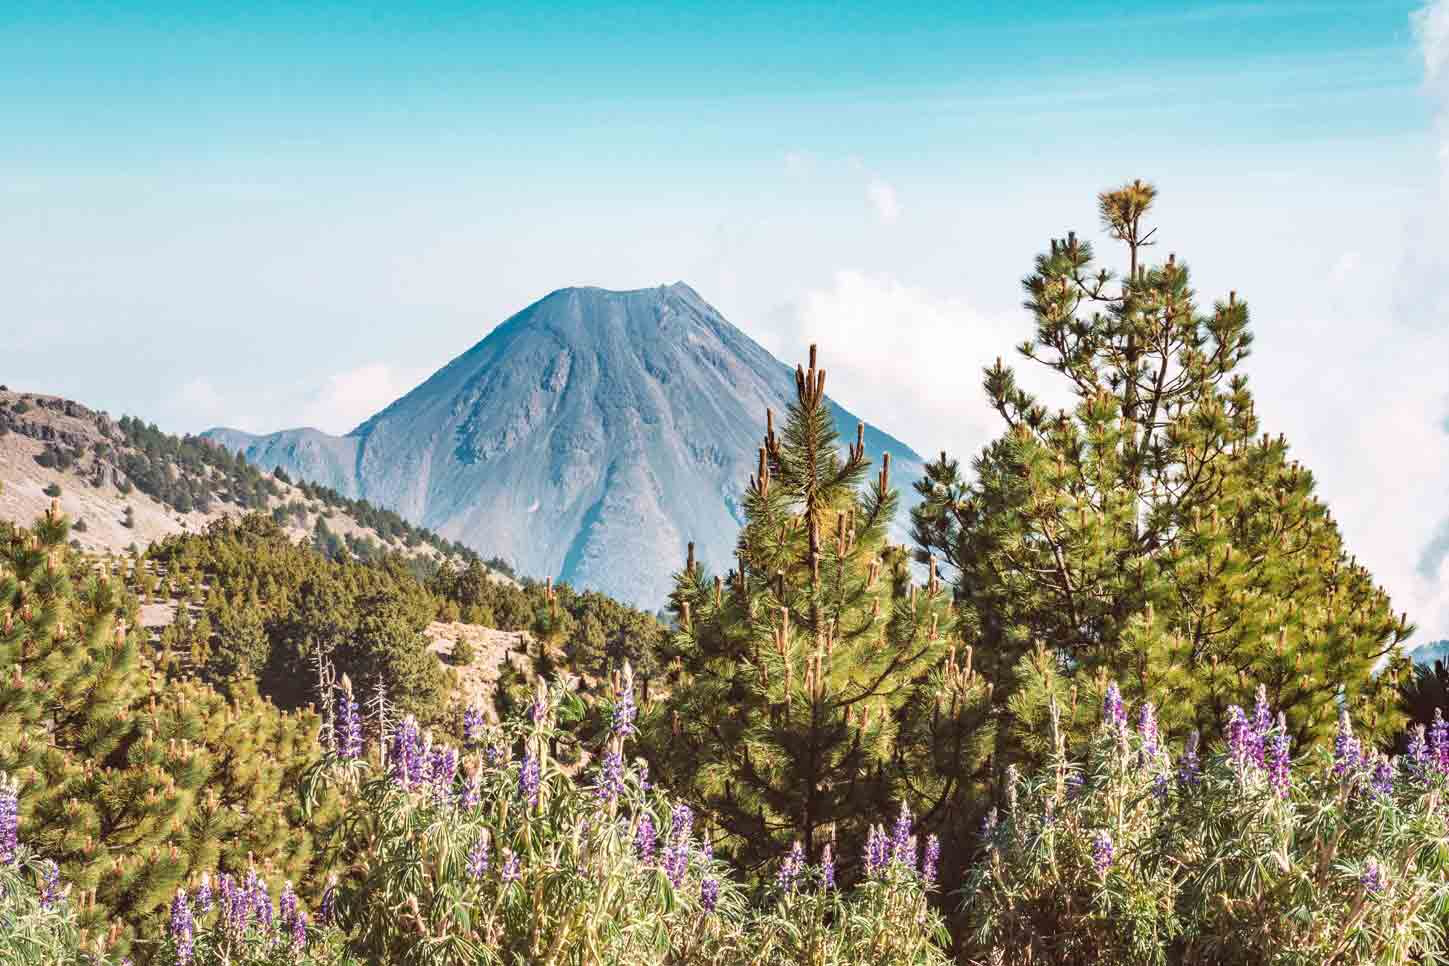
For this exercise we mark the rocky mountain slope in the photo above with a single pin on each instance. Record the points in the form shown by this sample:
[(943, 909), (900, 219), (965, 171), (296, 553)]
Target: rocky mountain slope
[(124, 483), (588, 438)]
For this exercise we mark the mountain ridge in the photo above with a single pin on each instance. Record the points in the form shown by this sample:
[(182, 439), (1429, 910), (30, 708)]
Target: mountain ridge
[(588, 437)]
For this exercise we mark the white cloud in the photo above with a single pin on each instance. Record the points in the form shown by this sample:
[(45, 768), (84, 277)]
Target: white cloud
[(348, 398), (906, 359), (1431, 24), (1426, 280), (883, 199), (1344, 268)]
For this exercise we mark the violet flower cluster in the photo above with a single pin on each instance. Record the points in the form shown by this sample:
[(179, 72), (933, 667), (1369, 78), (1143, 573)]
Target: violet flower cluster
[(1261, 743), (472, 724), (9, 820), (621, 719), (182, 928), (676, 850), (243, 908), (1102, 852), (898, 848), (347, 728)]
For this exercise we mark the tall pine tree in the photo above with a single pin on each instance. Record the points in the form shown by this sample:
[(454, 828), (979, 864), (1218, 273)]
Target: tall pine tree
[(791, 674), (1150, 534)]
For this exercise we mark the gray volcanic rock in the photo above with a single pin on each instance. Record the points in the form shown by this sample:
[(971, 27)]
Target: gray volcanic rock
[(589, 438)]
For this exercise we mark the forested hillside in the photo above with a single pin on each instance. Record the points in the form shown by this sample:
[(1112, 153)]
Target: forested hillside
[(125, 483)]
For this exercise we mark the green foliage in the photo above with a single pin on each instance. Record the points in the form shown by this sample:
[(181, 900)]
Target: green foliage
[(464, 653), (186, 473), (37, 928), (274, 606), (1118, 854), (784, 716), (128, 781), (593, 632), (510, 860), (1149, 533)]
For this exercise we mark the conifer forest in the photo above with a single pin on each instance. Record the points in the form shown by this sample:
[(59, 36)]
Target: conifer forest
[(1111, 690)]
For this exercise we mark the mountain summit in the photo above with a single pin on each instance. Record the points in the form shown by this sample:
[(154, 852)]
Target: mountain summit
[(589, 437)]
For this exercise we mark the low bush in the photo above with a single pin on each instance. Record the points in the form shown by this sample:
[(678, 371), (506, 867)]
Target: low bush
[(1239, 854)]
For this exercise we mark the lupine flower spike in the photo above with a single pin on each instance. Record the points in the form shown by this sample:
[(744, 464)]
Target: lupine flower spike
[(1102, 852)]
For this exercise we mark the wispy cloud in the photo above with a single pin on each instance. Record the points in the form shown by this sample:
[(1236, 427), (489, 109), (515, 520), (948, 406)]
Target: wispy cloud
[(883, 199)]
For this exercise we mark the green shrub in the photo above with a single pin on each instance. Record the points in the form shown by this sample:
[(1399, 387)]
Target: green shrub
[(498, 856), (464, 652), (1244, 855)]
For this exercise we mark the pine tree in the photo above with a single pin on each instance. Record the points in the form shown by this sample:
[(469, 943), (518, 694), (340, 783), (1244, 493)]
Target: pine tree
[(131, 782), (1150, 535), (782, 719)]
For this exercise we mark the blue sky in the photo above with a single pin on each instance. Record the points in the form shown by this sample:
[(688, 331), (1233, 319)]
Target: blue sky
[(263, 215)]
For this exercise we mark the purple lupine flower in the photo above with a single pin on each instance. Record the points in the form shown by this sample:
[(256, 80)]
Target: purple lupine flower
[(50, 892), (203, 893), (287, 905), (405, 762), (933, 856), (877, 851), (261, 902), (1159, 785), (1347, 752), (676, 862), (1239, 734), (233, 904), (611, 776), (182, 928), (538, 707), (1418, 753), (9, 820), (1076, 781), (1439, 742), (621, 718), (1262, 711), (1372, 878), (1114, 716), (1147, 728), (299, 931), (709, 894), (472, 724), (681, 823), (1382, 779), (472, 791), (442, 767), (1262, 724), (1102, 852), (327, 911), (510, 870), (1189, 768), (493, 755), (644, 837), (529, 779), (1280, 775), (790, 868), (644, 776), (827, 868), (347, 727), (903, 844), (478, 856), (988, 825)]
